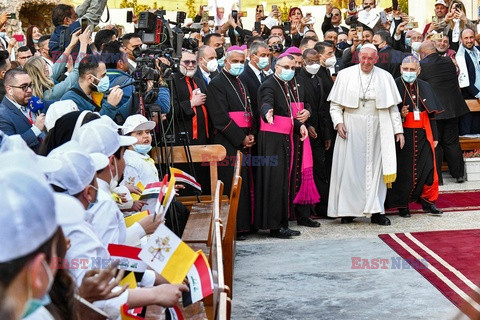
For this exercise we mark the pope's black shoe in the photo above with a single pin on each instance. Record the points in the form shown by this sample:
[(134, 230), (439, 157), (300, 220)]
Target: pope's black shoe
[(308, 222), (346, 220), (404, 213), (380, 219), (431, 208)]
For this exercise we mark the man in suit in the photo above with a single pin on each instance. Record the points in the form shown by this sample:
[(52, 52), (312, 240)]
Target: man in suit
[(441, 74), (15, 116), (389, 59), (469, 79), (131, 42), (207, 64), (332, 20)]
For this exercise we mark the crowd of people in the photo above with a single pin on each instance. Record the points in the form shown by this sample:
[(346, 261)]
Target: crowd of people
[(343, 127)]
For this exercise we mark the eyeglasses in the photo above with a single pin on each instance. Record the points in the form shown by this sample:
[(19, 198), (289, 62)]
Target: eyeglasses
[(24, 87), (189, 62), (286, 67)]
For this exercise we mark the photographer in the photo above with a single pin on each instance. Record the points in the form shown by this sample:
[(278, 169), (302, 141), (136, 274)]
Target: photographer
[(116, 62), (455, 22), (131, 42)]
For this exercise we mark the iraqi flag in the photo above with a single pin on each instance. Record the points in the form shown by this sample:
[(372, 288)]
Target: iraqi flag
[(128, 257), (161, 195), (126, 315), (200, 281), (184, 177), (173, 313), (152, 190)]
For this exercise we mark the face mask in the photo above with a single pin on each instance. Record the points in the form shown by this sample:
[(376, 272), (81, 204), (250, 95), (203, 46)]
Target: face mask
[(220, 52), (313, 68), (408, 41), (114, 180), (142, 148), (330, 62), (91, 204), (221, 62), (377, 46), (297, 70), (212, 65), (409, 77), (236, 33), (35, 41), (286, 75), (262, 62), (236, 69), (359, 47), (342, 45), (33, 304), (3, 34), (103, 84), (416, 46)]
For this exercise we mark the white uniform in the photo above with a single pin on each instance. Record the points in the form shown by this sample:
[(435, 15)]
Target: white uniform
[(139, 168)]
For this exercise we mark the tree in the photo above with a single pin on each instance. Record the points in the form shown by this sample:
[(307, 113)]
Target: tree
[(191, 9), (137, 8)]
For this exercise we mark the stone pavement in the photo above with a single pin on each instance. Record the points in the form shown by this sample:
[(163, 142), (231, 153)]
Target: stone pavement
[(311, 276)]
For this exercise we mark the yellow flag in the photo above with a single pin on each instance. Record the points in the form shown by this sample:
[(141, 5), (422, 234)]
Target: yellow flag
[(130, 280), (135, 218)]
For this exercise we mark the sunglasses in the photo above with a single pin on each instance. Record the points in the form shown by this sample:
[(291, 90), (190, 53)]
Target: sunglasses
[(24, 87), (189, 62)]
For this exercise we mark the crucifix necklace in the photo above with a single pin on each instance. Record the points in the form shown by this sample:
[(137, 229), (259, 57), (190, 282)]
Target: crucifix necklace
[(364, 92), (244, 103)]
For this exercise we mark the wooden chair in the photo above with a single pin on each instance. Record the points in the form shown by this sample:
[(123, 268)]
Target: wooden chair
[(224, 307), (210, 154)]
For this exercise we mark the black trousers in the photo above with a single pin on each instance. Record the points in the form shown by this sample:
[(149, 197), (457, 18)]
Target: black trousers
[(449, 147)]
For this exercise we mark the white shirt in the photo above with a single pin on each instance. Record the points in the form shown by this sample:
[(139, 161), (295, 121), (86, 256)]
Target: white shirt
[(138, 168), (28, 114), (108, 221)]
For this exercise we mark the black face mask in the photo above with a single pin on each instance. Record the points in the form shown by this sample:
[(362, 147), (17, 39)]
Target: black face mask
[(137, 52), (297, 70), (342, 45), (220, 52), (377, 46), (277, 47)]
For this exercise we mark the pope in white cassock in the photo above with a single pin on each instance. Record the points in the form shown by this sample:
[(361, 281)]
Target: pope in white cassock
[(364, 112)]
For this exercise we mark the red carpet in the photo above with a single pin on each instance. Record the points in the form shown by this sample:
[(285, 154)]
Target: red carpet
[(451, 263), (450, 201)]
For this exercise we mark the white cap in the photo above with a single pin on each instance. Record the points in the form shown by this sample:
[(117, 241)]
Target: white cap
[(368, 46), (95, 136), (58, 109), (27, 214), (68, 209), (442, 2), (78, 168), (137, 122)]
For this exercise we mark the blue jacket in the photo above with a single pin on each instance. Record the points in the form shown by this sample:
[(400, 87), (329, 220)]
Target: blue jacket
[(120, 78), (55, 39), (13, 121), (85, 103)]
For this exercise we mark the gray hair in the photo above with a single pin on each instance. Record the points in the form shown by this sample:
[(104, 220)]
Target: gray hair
[(257, 45)]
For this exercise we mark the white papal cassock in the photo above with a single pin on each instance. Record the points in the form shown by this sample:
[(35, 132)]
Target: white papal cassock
[(365, 161)]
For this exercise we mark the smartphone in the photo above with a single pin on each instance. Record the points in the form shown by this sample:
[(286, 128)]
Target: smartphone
[(437, 37), (360, 33), (274, 7), (205, 16), (12, 16), (383, 17), (211, 18), (84, 23), (258, 27), (235, 15), (19, 37), (129, 16), (435, 19), (287, 27), (205, 8)]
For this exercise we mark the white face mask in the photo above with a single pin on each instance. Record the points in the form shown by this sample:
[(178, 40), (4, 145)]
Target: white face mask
[(212, 65), (330, 62), (313, 68), (416, 46), (114, 180)]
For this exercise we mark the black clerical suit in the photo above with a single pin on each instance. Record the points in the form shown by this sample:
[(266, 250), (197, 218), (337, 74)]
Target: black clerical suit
[(390, 60), (441, 74)]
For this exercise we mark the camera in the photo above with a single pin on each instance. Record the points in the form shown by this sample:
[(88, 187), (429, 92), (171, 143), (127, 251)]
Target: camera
[(276, 47)]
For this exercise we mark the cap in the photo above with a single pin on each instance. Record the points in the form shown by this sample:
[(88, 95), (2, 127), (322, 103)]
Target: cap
[(442, 2), (27, 214), (293, 50), (95, 136), (283, 55), (68, 209), (137, 122), (368, 46), (57, 110), (235, 48), (78, 168)]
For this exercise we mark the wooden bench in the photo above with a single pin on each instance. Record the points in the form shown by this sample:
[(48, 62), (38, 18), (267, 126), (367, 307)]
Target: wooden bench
[(471, 144)]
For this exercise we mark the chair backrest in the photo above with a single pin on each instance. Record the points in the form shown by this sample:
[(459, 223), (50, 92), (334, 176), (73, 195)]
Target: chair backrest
[(208, 155), (236, 170), (216, 255), (223, 307), (230, 234), (215, 211)]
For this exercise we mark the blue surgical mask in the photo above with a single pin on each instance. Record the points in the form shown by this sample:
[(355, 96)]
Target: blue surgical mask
[(286, 75), (236, 69), (103, 84), (33, 304), (262, 62), (142, 148), (91, 204), (407, 41), (35, 41), (409, 77), (3, 34), (221, 62)]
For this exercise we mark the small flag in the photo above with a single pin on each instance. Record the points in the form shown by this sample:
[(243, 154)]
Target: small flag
[(125, 315), (130, 280), (130, 220), (163, 191), (168, 255), (173, 313), (169, 195), (184, 177), (151, 191), (140, 186), (128, 256), (200, 281)]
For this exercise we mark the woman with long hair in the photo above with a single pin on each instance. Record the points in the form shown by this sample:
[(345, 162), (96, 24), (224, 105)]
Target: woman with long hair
[(455, 22), (33, 34)]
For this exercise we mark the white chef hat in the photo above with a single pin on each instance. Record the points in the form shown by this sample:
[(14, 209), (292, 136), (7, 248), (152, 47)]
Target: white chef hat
[(57, 110), (96, 136), (27, 212), (78, 168)]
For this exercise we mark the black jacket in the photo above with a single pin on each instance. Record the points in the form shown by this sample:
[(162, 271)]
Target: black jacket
[(390, 60)]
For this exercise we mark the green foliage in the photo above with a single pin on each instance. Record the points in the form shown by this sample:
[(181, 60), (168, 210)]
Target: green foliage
[(191, 9), (137, 8)]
